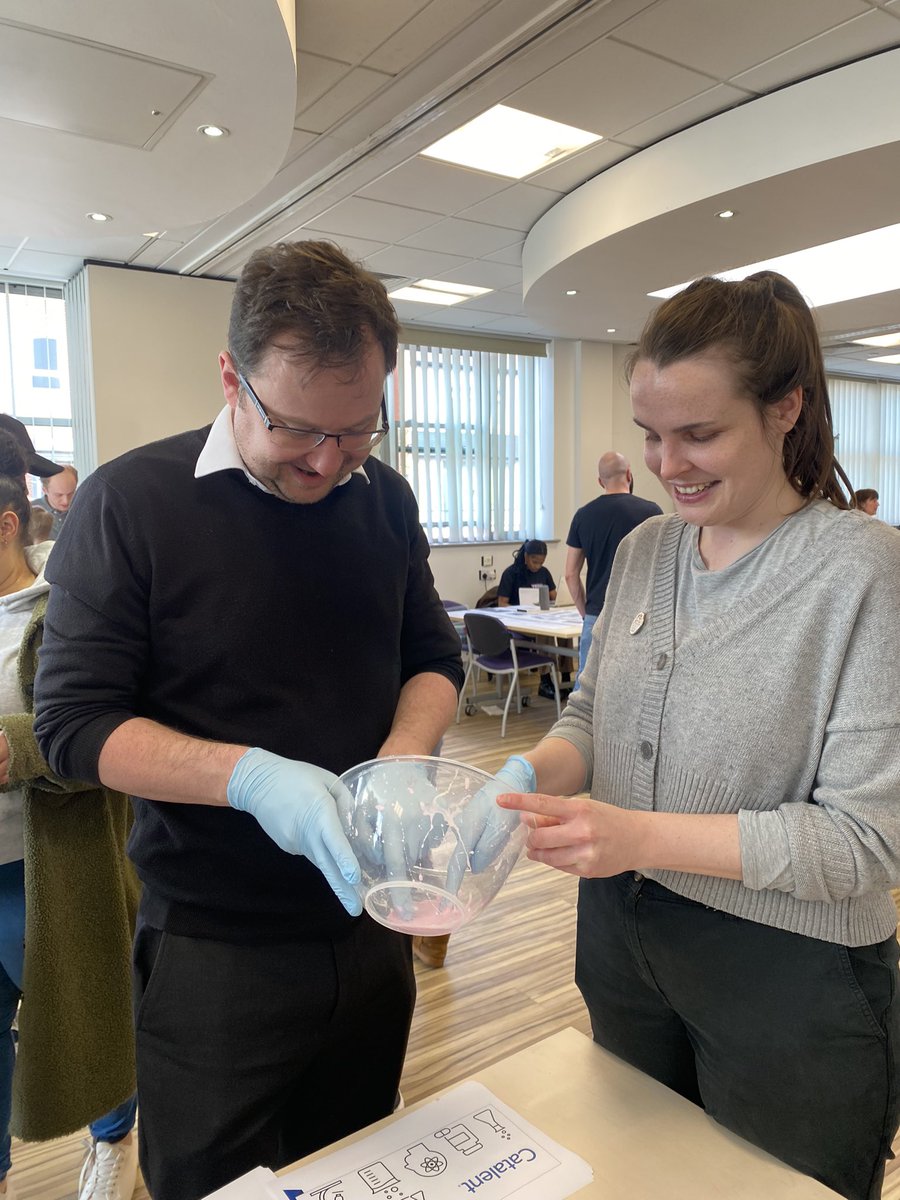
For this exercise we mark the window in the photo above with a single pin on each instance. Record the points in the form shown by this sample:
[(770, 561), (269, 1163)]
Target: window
[(866, 416), (471, 431), (34, 376)]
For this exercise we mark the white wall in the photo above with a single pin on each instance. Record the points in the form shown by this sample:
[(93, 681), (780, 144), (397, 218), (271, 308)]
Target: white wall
[(155, 340)]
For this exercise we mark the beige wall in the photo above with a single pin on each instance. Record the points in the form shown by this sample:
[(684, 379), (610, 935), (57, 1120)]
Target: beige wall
[(155, 339), (154, 343)]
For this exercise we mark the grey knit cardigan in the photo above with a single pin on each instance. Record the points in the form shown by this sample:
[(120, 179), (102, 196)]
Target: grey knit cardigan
[(784, 710)]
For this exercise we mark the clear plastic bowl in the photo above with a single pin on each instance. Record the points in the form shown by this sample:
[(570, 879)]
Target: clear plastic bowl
[(428, 863)]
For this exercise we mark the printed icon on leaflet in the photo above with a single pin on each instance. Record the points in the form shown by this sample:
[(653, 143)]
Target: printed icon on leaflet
[(422, 1160)]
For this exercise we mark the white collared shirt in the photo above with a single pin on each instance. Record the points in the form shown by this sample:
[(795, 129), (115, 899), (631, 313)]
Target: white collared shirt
[(220, 453)]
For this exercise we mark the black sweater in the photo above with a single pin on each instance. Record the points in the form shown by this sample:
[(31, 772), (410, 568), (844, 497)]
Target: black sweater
[(227, 614)]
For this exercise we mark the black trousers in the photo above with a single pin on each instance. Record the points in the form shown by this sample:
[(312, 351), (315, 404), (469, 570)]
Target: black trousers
[(792, 1043), (252, 1055)]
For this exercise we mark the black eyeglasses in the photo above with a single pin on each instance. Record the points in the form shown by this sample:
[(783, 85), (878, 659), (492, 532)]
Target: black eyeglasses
[(308, 439)]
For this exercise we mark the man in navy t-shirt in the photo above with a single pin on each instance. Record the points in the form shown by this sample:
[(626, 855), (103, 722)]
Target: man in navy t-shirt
[(595, 533)]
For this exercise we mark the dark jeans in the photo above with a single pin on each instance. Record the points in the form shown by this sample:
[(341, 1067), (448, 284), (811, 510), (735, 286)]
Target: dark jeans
[(253, 1055), (792, 1043)]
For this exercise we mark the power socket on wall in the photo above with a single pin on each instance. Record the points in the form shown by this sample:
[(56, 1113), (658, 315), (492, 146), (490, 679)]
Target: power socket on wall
[(487, 574)]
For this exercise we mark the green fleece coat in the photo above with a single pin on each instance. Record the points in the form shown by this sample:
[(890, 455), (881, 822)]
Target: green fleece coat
[(76, 1039)]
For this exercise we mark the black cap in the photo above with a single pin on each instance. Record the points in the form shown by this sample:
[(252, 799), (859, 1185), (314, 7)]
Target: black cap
[(35, 464)]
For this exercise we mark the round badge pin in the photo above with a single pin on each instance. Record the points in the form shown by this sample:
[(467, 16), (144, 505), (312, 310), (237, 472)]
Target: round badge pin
[(638, 622)]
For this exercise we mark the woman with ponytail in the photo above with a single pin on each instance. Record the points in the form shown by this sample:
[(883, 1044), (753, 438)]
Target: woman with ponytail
[(527, 570), (67, 901), (738, 728)]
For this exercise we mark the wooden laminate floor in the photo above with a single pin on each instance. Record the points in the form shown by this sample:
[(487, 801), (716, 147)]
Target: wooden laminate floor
[(507, 981)]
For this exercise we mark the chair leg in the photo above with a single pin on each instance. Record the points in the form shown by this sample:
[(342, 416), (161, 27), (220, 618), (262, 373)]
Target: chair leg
[(553, 676), (509, 696), (462, 690)]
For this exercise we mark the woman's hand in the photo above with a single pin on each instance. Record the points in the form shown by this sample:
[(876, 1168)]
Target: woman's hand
[(580, 837), (4, 759), (594, 840)]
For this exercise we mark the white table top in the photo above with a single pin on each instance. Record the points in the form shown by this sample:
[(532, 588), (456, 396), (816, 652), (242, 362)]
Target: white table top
[(548, 623), (642, 1140)]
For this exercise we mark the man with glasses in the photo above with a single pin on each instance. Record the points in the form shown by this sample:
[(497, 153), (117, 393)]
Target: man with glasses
[(225, 682)]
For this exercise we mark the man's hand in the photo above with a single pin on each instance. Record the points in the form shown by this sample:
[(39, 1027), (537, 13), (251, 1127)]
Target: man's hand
[(295, 803), (398, 822)]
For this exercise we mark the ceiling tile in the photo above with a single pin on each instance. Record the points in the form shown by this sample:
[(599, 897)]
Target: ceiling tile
[(707, 104), (355, 30), (608, 87), (315, 75), (154, 252), (300, 139), (454, 236), (500, 303), (571, 172), (863, 35), (418, 264), (434, 185), (421, 32), (409, 310), (370, 218), (735, 35), (481, 273), (348, 93), (526, 325), (354, 247), (518, 207), (37, 264), (511, 255), (455, 317)]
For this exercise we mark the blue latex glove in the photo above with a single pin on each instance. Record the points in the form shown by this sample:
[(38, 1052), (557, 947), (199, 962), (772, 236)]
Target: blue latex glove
[(484, 828), (399, 823), (295, 803)]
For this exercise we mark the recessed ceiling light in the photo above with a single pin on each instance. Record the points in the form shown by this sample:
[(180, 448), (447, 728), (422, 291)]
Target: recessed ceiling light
[(726, 214), (886, 358), (610, 331), (99, 217), (438, 291), (865, 264), (571, 292), (213, 131), (883, 339), (507, 141)]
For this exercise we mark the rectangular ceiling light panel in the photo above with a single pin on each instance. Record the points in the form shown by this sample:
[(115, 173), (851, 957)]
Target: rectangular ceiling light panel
[(506, 141), (438, 291)]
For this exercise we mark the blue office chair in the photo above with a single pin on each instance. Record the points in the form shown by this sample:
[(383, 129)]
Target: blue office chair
[(493, 649)]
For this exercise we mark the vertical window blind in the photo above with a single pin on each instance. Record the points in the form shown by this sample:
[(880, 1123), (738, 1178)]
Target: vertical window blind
[(471, 434), (866, 416)]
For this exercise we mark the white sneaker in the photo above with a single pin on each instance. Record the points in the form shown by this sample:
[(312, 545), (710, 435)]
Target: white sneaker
[(109, 1171)]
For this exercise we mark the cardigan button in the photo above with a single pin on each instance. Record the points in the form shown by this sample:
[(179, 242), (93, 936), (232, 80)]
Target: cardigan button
[(646, 750), (661, 661)]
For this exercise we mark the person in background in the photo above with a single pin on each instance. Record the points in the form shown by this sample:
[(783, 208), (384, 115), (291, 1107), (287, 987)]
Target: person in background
[(738, 728), (59, 492), (867, 501), (67, 904), (40, 525), (272, 1018), (594, 535), (527, 570)]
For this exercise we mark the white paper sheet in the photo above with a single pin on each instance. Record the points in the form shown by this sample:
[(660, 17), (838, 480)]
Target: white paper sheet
[(467, 1143)]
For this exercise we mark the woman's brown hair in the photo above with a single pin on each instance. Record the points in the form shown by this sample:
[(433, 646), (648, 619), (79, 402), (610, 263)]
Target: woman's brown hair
[(763, 327)]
